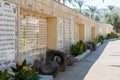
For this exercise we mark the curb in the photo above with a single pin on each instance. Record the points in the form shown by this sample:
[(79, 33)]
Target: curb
[(46, 77), (98, 44), (82, 56)]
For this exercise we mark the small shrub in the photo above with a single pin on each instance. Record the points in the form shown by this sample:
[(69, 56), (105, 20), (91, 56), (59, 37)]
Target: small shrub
[(20, 72), (78, 48), (4, 75), (112, 35), (96, 40), (108, 36), (101, 37), (24, 72)]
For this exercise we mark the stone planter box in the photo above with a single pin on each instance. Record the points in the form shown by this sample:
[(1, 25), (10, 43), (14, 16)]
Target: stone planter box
[(46, 77), (82, 56), (98, 44)]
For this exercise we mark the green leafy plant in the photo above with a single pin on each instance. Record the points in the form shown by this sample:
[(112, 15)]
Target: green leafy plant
[(96, 40), (23, 72), (112, 35), (108, 36), (78, 48), (4, 75), (101, 37)]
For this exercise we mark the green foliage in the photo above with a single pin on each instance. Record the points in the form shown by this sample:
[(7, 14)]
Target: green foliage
[(80, 4), (111, 7), (112, 35), (64, 2), (108, 36), (25, 75), (92, 12), (96, 40), (101, 37), (113, 17), (4, 75), (23, 72), (78, 48)]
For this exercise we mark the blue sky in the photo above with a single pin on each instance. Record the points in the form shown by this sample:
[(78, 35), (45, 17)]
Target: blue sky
[(100, 4)]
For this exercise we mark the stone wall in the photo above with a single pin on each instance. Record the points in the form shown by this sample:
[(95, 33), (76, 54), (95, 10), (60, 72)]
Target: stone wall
[(63, 26)]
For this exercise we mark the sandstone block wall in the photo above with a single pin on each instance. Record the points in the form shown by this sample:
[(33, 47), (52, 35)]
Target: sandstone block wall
[(63, 25)]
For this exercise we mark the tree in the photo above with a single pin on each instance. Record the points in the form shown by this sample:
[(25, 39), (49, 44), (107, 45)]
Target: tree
[(86, 12), (113, 18), (65, 1), (110, 7), (93, 13), (80, 4), (92, 10)]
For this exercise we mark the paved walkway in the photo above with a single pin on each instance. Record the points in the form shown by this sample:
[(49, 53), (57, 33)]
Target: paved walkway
[(103, 64)]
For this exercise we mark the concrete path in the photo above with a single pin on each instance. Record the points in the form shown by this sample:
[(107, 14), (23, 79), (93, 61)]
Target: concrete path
[(103, 64), (108, 65)]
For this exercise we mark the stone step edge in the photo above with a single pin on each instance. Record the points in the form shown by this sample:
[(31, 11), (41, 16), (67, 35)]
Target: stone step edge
[(82, 56)]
